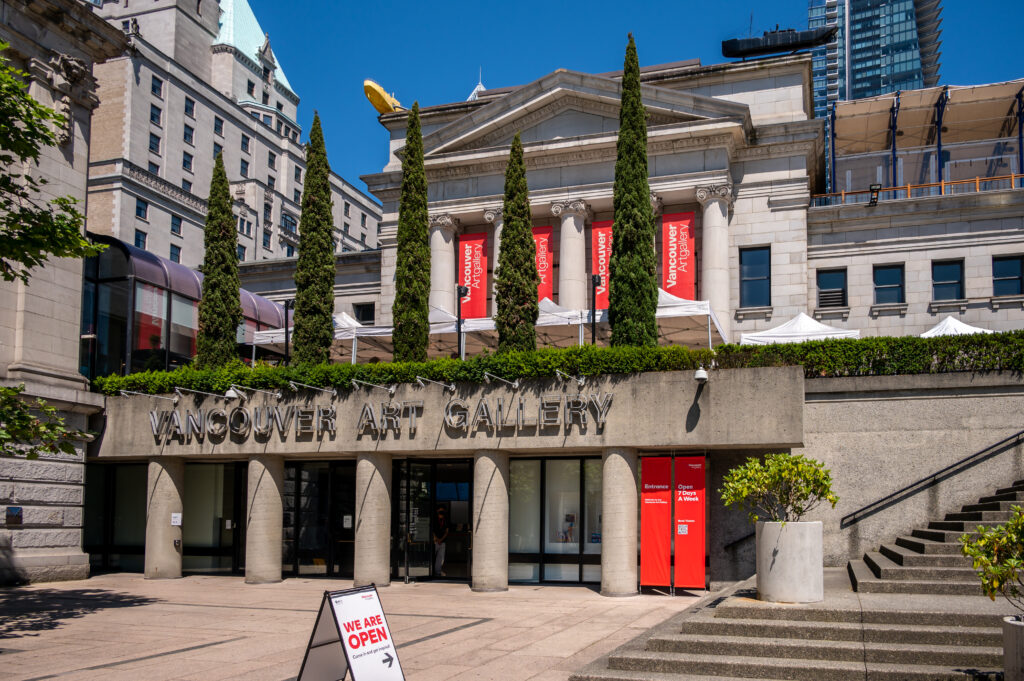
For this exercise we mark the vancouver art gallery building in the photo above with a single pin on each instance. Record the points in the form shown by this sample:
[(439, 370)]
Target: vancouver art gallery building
[(541, 480)]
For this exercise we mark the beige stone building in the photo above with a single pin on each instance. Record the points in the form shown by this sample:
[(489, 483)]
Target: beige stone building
[(200, 79)]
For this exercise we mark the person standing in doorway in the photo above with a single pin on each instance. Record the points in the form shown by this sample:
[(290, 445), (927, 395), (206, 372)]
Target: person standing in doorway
[(440, 533)]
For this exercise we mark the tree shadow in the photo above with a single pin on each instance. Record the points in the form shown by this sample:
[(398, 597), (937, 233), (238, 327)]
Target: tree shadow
[(30, 611)]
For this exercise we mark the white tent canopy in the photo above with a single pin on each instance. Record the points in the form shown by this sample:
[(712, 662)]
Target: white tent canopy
[(680, 322), (798, 329), (953, 327), (275, 337)]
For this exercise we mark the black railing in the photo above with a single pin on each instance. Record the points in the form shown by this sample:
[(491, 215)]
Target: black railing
[(933, 479)]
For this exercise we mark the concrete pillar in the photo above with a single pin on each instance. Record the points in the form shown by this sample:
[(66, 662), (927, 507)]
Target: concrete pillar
[(494, 215), (572, 254), (442, 262), (714, 270), (490, 521), (264, 519), (373, 519), (619, 505), (165, 490)]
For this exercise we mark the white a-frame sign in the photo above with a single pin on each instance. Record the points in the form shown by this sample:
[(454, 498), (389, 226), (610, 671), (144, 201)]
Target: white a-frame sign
[(351, 633)]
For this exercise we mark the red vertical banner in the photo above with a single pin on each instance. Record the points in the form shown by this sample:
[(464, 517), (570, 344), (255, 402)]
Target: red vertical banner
[(601, 257), (542, 241), (678, 262), (655, 520), (688, 526), (473, 274)]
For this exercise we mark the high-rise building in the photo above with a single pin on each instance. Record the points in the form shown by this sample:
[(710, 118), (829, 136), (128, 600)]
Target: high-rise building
[(202, 79), (881, 46)]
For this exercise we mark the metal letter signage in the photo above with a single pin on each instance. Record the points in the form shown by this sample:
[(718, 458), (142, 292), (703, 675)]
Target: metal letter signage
[(353, 618), (473, 274), (601, 257), (677, 255), (243, 422), (542, 242), (689, 522), (655, 520)]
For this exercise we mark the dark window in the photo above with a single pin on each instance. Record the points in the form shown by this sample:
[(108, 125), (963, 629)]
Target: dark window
[(362, 219), (266, 98), (267, 212), (190, 134), (297, 196), (218, 125), (175, 224), (190, 107), (279, 125), (187, 185), (363, 312), (1007, 275), (289, 250), (250, 87), (948, 280), (268, 120), (288, 222), (156, 86), (266, 238), (298, 174), (186, 161), (241, 252), (154, 143), (245, 143), (271, 159), (244, 168), (831, 288), (271, 183), (154, 168), (141, 209), (755, 277), (888, 284), (140, 239), (217, 149), (155, 114), (280, 106), (346, 208), (175, 253)]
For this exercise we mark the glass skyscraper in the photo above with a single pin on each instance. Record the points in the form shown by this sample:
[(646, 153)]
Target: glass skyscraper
[(881, 46)]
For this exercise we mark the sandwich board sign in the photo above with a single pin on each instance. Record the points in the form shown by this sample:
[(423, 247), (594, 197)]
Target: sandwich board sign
[(351, 636)]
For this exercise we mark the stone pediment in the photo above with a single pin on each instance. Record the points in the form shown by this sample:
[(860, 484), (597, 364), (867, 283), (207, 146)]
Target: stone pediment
[(568, 104)]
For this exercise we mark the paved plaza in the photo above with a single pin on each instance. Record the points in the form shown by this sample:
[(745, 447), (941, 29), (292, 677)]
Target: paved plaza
[(121, 626)]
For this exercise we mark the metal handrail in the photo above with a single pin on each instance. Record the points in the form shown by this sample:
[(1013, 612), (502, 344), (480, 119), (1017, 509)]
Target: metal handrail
[(907, 190), (934, 478)]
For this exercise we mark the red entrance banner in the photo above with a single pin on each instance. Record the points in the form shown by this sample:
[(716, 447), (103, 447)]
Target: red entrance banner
[(677, 255), (689, 522), (473, 274), (655, 520), (542, 241), (601, 257)]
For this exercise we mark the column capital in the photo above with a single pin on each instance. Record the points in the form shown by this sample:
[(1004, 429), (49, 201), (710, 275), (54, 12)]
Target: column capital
[(571, 207), (657, 206), (494, 214), (443, 221), (715, 192)]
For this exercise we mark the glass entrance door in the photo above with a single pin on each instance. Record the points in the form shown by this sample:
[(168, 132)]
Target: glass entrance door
[(433, 525), (319, 518)]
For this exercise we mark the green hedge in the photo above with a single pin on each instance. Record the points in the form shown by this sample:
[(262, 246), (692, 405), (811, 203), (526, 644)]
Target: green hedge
[(864, 357)]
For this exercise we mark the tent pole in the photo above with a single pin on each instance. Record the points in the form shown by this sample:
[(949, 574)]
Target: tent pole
[(709, 332), (355, 347)]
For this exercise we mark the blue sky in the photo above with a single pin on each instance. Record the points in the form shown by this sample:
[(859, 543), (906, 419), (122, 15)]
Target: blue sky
[(431, 52)]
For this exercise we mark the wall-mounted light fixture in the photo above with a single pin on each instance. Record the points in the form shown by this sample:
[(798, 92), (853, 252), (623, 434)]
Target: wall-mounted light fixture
[(237, 392), (126, 393), (700, 375), (447, 386), (566, 377), (491, 377), (180, 392), (390, 388), (295, 385)]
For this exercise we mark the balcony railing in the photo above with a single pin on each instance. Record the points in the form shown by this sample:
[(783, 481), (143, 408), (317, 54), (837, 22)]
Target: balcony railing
[(919, 191)]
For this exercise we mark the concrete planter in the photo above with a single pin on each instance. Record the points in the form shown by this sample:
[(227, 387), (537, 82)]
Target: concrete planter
[(790, 562), (1013, 648)]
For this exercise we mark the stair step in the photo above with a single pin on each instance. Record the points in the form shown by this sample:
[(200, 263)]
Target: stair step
[(885, 568), (928, 546), (1005, 496), (865, 581), (847, 631), (952, 525), (904, 556), (1015, 487), (699, 666), (990, 506), (944, 536), (981, 517), (630, 675)]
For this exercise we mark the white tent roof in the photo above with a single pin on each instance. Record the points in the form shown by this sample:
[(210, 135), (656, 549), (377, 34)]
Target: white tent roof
[(342, 322), (680, 322), (799, 328), (953, 327)]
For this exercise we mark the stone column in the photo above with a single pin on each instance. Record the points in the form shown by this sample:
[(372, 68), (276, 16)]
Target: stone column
[(494, 215), (490, 521), (442, 262), (619, 500), (714, 270), (264, 519), (373, 519), (165, 490), (572, 254)]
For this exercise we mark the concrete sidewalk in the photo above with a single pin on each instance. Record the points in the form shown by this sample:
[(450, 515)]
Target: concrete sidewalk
[(120, 626)]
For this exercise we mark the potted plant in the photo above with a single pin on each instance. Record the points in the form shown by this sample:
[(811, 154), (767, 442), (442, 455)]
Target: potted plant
[(777, 492), (998, 557)]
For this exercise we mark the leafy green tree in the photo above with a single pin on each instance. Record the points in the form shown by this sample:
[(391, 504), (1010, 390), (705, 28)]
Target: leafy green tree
[(516, 287), (633, 289), (315, 269), (410, 311), (782, 488), (30, 429), (31, 229), (220, 310)]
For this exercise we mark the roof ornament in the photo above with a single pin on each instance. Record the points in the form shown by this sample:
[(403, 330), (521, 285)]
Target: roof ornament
[(475, 94), (266, 54)]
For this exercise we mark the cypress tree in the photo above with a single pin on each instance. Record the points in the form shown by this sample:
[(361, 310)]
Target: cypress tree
[(516, 287), (220, 310), (410, 313), (633, 289), (315, 269)]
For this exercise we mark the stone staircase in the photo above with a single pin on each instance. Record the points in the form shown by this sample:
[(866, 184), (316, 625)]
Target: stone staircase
[(928, 560)]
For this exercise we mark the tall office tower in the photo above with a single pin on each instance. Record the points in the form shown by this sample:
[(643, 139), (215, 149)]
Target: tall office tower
[(881, 46)]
